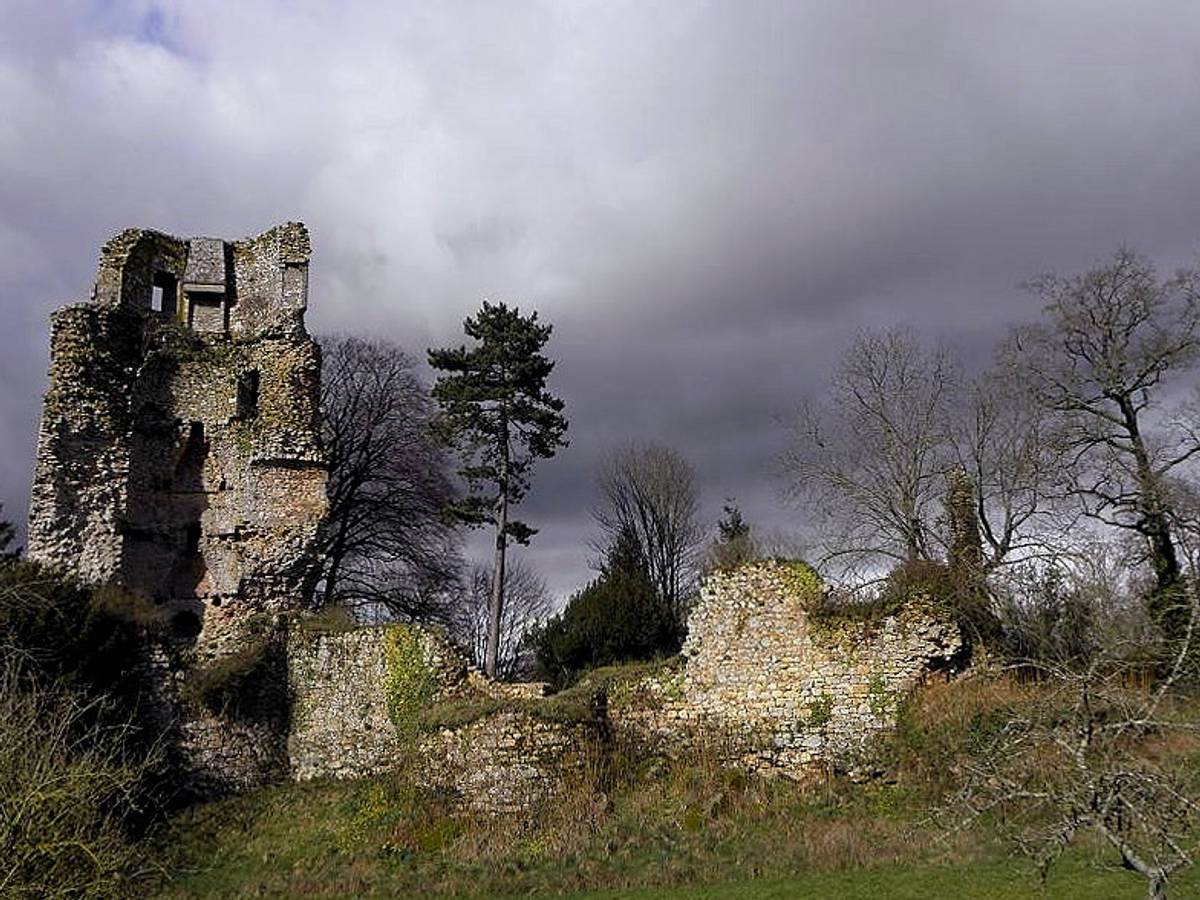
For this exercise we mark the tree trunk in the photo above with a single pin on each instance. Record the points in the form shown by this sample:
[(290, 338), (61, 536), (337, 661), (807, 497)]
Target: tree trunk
[(335, 564), (496, 607), (1155, 524), (1156, 886)]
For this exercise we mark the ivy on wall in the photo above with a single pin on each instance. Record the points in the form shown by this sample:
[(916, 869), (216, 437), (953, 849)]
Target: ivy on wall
[(410, 684)]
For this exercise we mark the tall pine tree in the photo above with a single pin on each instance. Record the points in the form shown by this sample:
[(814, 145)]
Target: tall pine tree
[(496, 412)]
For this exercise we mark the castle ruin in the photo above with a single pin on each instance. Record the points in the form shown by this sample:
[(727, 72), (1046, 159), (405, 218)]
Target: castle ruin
[(179, 452), (179, 458)]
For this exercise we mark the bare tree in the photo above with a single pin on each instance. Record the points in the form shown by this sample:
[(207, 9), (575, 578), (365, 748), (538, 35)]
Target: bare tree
[(384, 541), (527, 602), (1003, 445), (1113, 343), (650, 490), (870, 463), (1075, 757)]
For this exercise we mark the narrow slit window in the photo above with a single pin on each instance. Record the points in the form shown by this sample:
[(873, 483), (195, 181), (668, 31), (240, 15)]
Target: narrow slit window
[(163, 293), (191, 539), (247, 395)]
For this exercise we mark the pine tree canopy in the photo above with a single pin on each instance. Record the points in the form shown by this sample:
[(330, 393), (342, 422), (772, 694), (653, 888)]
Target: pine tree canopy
[(496, 411)]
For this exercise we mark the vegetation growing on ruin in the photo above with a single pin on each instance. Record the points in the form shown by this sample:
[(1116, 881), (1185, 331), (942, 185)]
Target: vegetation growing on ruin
[(688, 827), (245, 682), (409, 685), (326, 620), (571, 706), (801, 579), (820, 711)]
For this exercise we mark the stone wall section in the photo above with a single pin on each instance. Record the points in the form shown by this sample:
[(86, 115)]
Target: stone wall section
[(762, 681), (774, 688), (510, 761), (342, 725)]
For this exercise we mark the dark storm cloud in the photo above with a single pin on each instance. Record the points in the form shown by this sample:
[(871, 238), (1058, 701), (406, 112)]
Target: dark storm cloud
[(706, 199)]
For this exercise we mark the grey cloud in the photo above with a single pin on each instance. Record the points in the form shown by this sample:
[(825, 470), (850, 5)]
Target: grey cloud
[(705, 199)]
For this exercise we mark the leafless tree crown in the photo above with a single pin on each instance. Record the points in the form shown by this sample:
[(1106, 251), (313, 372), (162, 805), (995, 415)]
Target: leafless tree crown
[(869, 464), (651, 490), (527, 602), (385, 540)]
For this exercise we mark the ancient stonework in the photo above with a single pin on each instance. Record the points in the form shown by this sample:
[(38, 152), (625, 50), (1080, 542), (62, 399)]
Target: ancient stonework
[(511, 760), (357, 696), (179, 451), (762, 682), (179, 457), (342, 715), (775, 689)]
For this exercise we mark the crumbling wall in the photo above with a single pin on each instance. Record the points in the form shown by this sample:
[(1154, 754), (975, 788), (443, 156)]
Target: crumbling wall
[(345, 695), (179, 450), (179, 456), (763, 681), (775, 688), (357, 703), (511, 760)]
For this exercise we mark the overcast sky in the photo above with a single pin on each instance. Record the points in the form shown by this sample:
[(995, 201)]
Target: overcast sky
[(705, 199)]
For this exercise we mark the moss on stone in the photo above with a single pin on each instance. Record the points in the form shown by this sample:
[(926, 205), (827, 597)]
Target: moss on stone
[(571, 707), (800, 579), (327, 620), (410, 685), (880, 700), (578, 704), (820, 711)]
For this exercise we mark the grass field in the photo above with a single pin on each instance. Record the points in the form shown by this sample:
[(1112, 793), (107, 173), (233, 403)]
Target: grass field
[(1074, 879), (690, 829), (377, 838)]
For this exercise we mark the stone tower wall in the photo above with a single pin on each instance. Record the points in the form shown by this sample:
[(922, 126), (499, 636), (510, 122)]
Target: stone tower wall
[(179, 452)]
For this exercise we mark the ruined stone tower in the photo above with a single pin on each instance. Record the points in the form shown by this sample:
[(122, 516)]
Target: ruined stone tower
[(179, 452)]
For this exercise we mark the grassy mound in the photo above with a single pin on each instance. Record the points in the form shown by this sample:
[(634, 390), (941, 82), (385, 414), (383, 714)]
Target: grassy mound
[(687, 828)]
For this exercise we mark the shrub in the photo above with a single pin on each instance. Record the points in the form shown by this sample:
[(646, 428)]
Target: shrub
[(244, 683), (958, 592), (1047, 619), (735, 543), (70, 632), (71, 788), (618, 617), (328, 619)]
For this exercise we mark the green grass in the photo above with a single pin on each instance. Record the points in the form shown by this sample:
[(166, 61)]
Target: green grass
[(690, 833), (1074, 879), (635, 829)]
